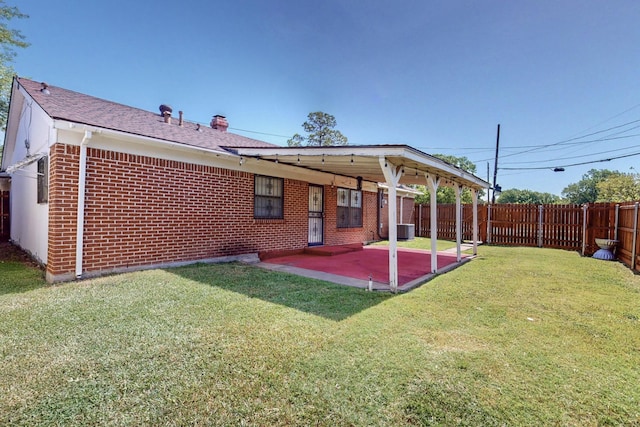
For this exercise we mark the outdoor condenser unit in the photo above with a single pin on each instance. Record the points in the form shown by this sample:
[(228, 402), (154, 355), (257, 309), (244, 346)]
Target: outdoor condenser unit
[(406, 231)]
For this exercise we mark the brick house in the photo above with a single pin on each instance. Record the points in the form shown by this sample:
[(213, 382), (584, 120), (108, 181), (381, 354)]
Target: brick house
[(99, 187)]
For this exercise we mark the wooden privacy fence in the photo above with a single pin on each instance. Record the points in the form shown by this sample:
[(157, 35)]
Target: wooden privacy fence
[(569, 227)]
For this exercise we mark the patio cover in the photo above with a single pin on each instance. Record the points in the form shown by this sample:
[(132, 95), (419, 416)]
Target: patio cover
[(393, 165)]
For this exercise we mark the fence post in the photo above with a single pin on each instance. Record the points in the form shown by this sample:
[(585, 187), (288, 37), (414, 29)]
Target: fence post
[(540, 211), (615, 227), (420, 220), (635, 237), (489, 224), (584, 227)]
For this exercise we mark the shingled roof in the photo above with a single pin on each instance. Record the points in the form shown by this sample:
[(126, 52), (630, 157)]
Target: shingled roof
[(76, 107)]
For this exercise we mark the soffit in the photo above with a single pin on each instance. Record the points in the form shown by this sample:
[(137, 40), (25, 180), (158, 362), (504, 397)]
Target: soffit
[(364, 161)]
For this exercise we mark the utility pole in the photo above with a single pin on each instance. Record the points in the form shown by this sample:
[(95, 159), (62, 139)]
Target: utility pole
[(495, 167)]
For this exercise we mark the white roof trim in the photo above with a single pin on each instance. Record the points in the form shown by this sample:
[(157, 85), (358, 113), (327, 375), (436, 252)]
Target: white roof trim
[(25, 162)]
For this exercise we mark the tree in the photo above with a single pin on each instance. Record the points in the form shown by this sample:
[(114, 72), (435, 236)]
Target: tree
[(619, 188), (586, 190), (514, 195), (9, 40), (447, 194), (319, 127)]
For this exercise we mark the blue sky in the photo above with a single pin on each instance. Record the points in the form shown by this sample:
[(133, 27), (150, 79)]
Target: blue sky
[(436, 75)]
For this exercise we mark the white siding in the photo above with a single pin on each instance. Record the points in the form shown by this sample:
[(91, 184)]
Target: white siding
[(29, 219)]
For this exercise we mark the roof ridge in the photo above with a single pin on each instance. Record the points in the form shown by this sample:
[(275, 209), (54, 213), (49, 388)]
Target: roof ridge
[(89, 96)]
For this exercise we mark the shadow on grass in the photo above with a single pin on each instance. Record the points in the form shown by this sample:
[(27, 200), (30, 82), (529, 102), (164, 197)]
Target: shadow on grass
[(317, 297), (17, 277)]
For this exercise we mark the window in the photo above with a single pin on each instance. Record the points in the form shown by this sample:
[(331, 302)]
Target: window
[(349, 208), (268, 202), (43, 180)]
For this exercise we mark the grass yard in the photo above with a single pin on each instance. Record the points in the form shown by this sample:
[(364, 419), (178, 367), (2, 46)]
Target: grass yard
[(519, 336)]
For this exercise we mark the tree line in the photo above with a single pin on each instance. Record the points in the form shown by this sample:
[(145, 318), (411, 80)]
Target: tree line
[(597, 185)]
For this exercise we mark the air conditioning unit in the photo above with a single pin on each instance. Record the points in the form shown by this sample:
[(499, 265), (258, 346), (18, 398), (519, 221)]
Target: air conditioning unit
[(406, 231)]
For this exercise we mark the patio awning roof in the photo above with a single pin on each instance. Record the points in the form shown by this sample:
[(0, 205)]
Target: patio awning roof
[(364, 161), (391, 164)]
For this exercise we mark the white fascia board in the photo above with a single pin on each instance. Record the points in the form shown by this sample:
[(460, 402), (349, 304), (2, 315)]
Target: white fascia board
[(344, 150), (218, 158), (81, 128), (402, 151), (409, 192), (436, 163), (25, 162)]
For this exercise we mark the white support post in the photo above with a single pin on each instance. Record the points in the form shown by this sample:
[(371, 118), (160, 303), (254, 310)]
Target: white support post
[(433, 183), (474, 195), (392, 176), (458, 191)]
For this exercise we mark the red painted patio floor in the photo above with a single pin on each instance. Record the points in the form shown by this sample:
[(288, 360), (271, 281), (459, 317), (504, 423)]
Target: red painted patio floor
[(370, 261)]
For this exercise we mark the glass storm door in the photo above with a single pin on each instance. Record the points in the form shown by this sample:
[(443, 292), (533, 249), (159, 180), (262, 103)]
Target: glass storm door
[(316, 214)]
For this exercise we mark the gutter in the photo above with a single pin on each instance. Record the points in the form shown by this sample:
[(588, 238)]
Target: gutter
[(82, 175)]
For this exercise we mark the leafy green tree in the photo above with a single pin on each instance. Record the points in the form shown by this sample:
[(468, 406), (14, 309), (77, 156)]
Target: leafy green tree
[(619, 188), (10, 39), (586, 190), (321, 133), (514, 195), (447, 194)]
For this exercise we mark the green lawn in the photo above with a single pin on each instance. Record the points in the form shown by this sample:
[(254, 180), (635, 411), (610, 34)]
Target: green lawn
[(518, 336)]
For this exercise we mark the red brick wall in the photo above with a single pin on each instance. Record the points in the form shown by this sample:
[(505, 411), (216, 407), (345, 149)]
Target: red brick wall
[(338, 236), (141, 210), (63, 208), (151, 210)]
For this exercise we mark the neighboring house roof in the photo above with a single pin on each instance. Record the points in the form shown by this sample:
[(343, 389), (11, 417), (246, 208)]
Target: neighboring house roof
[(405, 189), (76, 107)]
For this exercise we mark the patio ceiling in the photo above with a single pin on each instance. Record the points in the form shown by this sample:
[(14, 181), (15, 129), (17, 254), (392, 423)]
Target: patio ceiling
[(364, 161)]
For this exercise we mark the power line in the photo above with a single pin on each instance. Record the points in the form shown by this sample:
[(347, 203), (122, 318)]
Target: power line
[(577, 164), (260, 133), (609, 119), (573, 157), (570, 141)]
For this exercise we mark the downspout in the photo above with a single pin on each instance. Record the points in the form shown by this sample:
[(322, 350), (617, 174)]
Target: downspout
[(82, 175)]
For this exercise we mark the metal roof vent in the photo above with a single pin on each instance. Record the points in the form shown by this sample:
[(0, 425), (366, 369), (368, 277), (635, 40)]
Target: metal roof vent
[(165, 108), (165, 111)]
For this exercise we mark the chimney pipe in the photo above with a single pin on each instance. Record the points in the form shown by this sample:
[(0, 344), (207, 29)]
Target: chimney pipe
[(219, 122), (180, 120), (167, 117)]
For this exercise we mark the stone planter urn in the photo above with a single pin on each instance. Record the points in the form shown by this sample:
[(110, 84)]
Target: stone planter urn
[(607, 247)]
